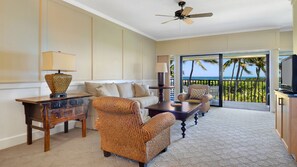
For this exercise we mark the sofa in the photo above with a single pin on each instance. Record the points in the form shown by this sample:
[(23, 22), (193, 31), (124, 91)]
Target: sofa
[(197, 94), (134, 91), (130, 137)]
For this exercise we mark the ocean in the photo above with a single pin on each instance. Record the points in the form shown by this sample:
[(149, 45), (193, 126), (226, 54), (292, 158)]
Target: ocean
[(217, 78)]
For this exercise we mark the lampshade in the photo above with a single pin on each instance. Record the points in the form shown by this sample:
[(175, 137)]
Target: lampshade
[(161, 67), (58, 82), (54, 61)]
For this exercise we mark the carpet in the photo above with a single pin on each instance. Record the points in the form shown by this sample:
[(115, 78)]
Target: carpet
[(223, 137)]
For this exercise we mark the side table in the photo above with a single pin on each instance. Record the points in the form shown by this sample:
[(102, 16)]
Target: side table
[(161, 88), (52, 111)]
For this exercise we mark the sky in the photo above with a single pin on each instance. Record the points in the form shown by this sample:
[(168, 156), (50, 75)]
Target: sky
[(213, 70)]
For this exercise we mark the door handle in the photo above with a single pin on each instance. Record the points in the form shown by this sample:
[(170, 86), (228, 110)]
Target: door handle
[(281, 101)]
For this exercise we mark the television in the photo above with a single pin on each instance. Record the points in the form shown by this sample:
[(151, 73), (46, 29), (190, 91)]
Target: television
[(289, 74)]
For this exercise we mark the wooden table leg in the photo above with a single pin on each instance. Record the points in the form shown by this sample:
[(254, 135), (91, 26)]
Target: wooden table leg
[(66, 127), (46, 138), (183, 128), (29, 131), (196, 118), (84, 128)]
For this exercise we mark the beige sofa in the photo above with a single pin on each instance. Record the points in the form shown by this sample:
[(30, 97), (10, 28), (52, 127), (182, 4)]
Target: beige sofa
[(133, 91)]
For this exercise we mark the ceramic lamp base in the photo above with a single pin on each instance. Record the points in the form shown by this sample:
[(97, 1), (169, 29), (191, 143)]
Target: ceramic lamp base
[(58, 84), (161, 79)]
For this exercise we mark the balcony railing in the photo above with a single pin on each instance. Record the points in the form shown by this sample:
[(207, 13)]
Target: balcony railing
[(247, 90)]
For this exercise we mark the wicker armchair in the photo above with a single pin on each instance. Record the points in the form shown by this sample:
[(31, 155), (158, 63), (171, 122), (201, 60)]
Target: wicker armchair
[(204, 98), (123, 133)]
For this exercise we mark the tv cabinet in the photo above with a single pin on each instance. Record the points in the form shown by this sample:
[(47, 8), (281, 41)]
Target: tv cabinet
[(286, 120)]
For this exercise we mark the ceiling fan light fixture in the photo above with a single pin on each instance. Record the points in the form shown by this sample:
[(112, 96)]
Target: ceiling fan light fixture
[(184, 14)]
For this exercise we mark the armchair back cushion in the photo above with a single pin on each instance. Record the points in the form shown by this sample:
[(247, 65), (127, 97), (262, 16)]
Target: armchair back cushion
[(197, 93), (197, 86)]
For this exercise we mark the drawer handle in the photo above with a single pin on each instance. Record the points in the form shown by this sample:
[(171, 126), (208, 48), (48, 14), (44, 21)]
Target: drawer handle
[(281, 101)]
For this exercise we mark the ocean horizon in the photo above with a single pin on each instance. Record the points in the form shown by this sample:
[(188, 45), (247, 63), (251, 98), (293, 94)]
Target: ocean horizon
[(217, 78)]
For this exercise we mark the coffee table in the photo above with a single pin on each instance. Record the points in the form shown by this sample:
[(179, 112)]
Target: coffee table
[(182, 112)]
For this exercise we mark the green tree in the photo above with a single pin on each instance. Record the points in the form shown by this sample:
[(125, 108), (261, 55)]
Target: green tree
[(228, 63), (200, 64), (260, 63)]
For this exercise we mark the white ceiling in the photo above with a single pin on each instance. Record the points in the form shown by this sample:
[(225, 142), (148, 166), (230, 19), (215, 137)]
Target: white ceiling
[(228, 16)]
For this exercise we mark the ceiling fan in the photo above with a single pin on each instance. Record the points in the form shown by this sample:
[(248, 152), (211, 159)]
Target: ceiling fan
[(184, 14)]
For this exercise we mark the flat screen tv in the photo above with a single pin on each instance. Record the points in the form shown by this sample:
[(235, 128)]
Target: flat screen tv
[(289, 74)]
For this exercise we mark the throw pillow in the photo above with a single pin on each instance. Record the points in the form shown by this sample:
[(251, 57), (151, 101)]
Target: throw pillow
[(112, 89), (91, 87), (102, 91), (197, 93), (125, 90), (141, 90)]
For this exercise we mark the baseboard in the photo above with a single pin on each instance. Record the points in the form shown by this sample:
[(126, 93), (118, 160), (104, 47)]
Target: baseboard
[(36, 134)]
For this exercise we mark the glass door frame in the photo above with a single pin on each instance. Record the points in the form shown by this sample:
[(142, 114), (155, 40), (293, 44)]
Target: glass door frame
[(220, 56)]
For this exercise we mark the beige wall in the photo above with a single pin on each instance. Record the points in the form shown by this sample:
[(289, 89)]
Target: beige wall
[(104, 51), (246, 41), (19, 46), (69, 31), (108, 44), (286, 41), (294, 3)]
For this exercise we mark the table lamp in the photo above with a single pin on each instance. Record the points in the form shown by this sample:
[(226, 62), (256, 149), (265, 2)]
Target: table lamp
[(58, 61), (161, 68)]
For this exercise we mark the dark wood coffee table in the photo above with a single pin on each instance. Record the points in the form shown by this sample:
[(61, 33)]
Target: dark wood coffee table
[(180, 112)]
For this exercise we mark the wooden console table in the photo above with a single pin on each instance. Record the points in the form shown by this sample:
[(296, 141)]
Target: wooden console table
[(161, 88), (51, 111)]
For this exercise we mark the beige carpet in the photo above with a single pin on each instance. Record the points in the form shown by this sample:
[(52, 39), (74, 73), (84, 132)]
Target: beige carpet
[(223, 137)]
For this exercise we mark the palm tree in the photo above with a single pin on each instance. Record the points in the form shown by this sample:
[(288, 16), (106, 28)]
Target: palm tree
[(240, 68), (199, 63), (260, 63), (243, 68), (228, 64)]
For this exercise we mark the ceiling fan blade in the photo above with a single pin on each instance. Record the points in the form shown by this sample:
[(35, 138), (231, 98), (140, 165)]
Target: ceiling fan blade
[(169, 21), (200, 15), (164, 15), (186, 11), (188, 21)]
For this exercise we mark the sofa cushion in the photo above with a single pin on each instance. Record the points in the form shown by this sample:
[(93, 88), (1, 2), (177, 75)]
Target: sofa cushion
[(112, 89), (126, 90), (91, 87), (197, 93), (141, 90), (146, 101), (102, 91)]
